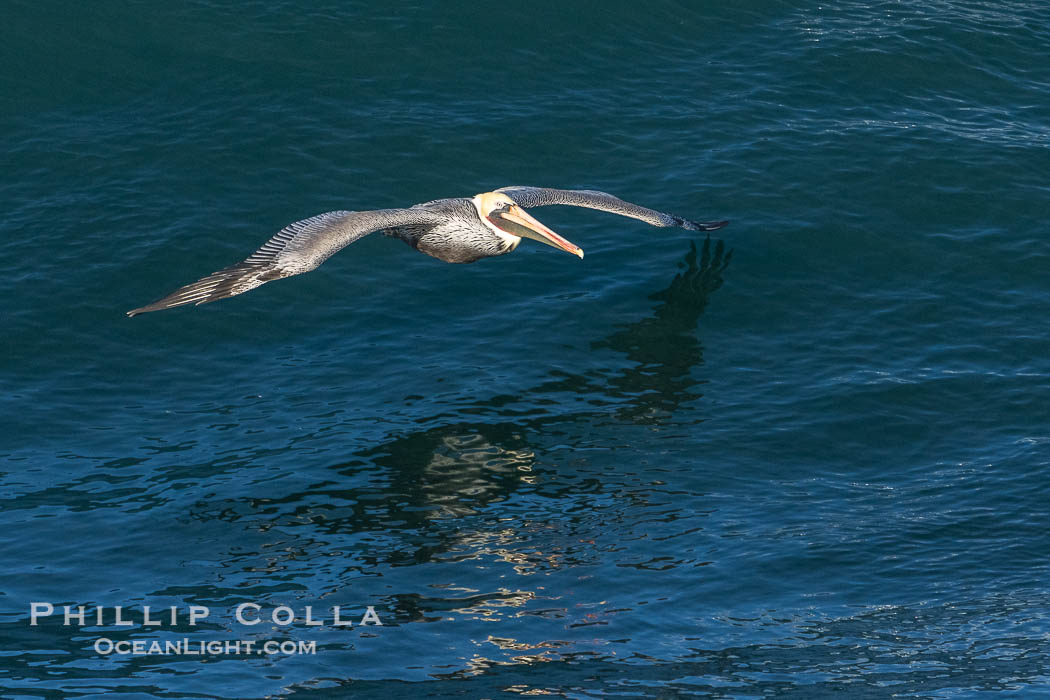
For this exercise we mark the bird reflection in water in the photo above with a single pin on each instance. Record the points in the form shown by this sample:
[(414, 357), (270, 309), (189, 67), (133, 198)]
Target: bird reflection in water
[(458, 468), (461, 467), (471, 488), (664, 346)]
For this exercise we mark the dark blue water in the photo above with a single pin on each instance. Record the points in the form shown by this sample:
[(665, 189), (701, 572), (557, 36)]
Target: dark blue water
[(807, 457)]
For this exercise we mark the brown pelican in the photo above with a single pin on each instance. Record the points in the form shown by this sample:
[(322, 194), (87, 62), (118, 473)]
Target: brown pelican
[(459, 230)]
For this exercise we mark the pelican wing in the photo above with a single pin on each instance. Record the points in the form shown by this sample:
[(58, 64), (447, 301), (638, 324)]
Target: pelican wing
[(541, 197), (295, 249)]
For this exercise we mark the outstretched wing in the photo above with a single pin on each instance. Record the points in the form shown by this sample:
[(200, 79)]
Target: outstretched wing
[(297, 248), (541, 197)]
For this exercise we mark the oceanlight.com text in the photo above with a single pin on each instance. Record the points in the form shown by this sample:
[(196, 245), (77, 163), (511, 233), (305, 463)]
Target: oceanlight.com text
[(187, 647)]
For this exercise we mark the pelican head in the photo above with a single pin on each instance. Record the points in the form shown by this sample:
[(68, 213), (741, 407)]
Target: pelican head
[(501, 214)]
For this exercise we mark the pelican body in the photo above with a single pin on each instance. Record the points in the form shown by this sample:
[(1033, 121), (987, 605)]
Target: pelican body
[(458, 230)]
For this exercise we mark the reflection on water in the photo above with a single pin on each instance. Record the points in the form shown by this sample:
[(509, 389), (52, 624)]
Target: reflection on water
[(471, 502), (471, 523), (458, 469), (455, 470), (664, 346)]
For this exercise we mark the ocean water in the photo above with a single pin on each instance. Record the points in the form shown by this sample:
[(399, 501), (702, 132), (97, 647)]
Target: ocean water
[(806, 457)]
